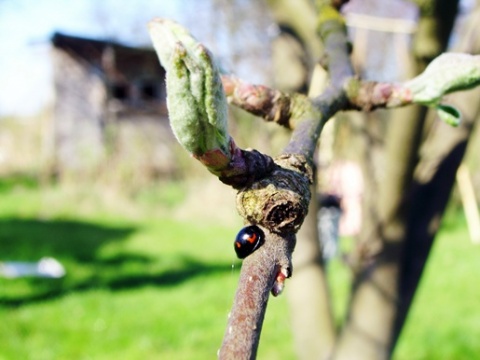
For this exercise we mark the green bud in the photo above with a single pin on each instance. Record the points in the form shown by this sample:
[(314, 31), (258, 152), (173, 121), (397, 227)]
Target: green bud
[(196, 102)]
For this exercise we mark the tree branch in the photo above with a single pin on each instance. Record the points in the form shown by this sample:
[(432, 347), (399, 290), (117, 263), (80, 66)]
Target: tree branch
[(260, 273), (274, 194), (450, 72)]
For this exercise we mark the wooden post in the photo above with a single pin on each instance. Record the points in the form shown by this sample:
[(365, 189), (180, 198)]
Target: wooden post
[(469, 202)]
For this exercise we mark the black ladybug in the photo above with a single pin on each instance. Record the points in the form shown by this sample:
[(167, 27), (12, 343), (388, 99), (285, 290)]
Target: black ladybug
[(249, 239)]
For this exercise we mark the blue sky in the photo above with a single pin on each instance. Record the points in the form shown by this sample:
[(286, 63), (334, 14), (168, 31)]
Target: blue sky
[(25, 29)]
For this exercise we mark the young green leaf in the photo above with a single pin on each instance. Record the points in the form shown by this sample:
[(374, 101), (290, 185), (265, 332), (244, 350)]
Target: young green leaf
[(447, 73)]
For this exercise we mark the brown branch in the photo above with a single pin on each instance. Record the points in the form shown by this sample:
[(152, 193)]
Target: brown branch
[(270, 104), (245, 167), (289, 110), (279, 202), (370, 95), (260, 272)]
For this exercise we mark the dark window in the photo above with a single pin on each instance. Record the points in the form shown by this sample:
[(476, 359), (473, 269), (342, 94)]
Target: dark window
[(120, 91), (149, 91)]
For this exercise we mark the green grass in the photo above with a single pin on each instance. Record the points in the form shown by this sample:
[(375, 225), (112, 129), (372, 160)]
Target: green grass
[(444, 322), (142, 284), (139, 285)]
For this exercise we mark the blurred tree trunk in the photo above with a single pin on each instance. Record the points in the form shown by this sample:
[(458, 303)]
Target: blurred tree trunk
[(313, 325), (440, 157), (308, 295), (373, 305), (384, 280), (405, 198), (441, 154)]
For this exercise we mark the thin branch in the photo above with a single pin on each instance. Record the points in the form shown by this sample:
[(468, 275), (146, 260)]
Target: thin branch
[(260, 273), (270, 104), (448, 73), (290, 198)]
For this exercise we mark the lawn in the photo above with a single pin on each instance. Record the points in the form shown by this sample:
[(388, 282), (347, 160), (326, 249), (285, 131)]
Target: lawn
[(140, 284), (144, 283), (445, 319)]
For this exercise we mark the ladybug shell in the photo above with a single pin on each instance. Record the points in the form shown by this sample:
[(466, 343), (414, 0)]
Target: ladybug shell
[(249, 239)]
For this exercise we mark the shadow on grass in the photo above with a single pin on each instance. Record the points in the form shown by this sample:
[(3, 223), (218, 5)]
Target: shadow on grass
[(76, 245), (188, 271), (31, 239)]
